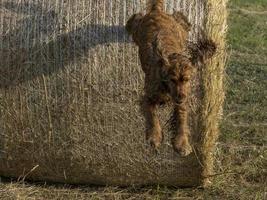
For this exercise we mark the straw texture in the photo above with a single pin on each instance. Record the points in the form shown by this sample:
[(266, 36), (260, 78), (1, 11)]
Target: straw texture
[(70, 89)]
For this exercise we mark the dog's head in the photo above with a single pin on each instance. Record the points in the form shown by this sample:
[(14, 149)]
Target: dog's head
[(176, 76), (133, 23)]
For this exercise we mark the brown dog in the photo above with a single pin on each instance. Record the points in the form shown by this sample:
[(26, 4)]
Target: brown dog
[(167, 60)]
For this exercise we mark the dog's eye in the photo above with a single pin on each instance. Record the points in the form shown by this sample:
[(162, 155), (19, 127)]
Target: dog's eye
[(184, 79)]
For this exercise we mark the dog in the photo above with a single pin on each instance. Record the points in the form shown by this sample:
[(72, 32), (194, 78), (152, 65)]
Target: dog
[(168, 61)]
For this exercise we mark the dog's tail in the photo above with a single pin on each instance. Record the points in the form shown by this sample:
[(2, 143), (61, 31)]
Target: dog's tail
[(203, 50), (155, 5)]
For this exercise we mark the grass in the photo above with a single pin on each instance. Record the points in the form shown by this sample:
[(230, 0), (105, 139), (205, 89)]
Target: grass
[(241, 154), (252, 5)]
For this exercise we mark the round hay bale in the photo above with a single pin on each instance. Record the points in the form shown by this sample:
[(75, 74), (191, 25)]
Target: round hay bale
[(70, 89)]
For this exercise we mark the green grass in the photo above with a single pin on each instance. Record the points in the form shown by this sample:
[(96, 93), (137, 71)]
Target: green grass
[(245, 119), (255, 5), (244, 126), (248, 33), (241, 153)]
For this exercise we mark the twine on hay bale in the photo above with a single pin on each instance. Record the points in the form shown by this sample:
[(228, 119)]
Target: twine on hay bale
[(70, 88)]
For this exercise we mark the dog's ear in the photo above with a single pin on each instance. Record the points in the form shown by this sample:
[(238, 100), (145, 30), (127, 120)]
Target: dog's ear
[(133, 23), (202, 50), (181, 19)]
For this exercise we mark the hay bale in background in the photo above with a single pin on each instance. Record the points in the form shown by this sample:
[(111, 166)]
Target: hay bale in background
[(70, 88)]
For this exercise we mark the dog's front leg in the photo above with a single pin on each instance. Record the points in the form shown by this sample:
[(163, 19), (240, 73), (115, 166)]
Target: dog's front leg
[(181, 140), (153, 132)]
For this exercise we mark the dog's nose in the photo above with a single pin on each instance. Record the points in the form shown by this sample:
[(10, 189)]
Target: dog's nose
[(179, 99), (181, 95)]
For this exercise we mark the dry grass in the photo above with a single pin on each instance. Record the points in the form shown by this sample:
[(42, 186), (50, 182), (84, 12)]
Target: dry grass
[(213, 83)]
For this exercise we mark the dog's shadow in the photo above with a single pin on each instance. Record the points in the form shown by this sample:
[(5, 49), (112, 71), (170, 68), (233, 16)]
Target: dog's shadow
[(26, 51)]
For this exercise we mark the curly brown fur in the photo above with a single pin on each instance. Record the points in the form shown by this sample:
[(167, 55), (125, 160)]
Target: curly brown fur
[(202, 50), (157, 5), (162, 41)]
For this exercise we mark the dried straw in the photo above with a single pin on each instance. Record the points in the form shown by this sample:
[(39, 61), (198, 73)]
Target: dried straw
[(70, 89)]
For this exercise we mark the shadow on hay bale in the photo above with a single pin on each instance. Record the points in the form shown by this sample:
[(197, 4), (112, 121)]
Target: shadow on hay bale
[(22, 60), (70, 86)]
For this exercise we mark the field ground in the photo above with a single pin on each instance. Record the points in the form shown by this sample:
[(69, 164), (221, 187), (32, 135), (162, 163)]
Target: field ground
[(241, 152)]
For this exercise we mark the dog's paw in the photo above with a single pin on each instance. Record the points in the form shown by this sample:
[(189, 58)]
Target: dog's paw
[(154, 137), (181, 145)]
